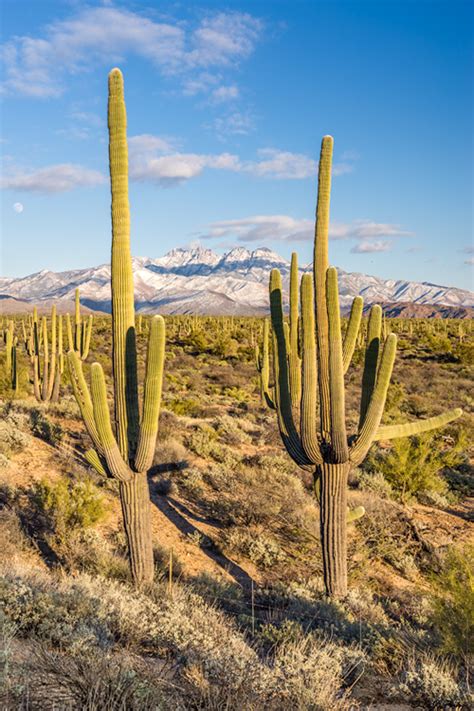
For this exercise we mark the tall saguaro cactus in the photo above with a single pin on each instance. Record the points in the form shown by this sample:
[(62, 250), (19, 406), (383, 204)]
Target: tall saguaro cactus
[(124, 448), (325, 358)]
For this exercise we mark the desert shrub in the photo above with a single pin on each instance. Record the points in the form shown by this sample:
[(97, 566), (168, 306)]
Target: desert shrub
[(12, 439), (453, 602), (413, 464), (259, 547), (188, 407), (88, 682), (64, 505), (238, 395), (374, 482), (272, 635), (388, 536), (45, 429), (433, 684), (464, 352)]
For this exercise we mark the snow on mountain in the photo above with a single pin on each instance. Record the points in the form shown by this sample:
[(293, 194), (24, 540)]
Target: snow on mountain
[(198, 280)]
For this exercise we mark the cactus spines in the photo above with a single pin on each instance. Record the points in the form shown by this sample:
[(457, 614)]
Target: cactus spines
[(325, 358), (124, 446)]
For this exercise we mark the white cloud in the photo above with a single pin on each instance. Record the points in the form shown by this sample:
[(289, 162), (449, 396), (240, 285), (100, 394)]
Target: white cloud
[(159, 160), (282, 164), (156, 159), (53, 179), (151, 160), (365, 230), (18, 207), (37, 66), (234, 124), (376, 246), (225, 93), (469, 261), (261, 228)]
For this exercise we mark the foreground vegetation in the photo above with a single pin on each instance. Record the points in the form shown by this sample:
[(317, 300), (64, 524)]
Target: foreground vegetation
[(236, 616)]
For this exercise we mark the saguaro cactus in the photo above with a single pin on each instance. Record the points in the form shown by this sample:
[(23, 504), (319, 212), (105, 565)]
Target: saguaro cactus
[(79, 338), (125, 449), (46, 379), (325, 358)]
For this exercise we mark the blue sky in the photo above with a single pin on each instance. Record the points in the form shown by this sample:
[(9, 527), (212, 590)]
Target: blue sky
[(227, 104)]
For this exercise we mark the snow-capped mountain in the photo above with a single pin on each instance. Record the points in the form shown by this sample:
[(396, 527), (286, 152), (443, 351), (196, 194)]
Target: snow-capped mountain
[(198, 280)]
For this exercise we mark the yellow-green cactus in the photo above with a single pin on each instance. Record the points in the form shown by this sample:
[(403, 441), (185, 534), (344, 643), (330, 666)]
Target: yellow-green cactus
[(46, 371), (324, 445), (124, 447), (79, 337)]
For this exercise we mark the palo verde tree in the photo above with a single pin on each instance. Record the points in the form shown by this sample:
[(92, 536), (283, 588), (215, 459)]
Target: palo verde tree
[(124, 448), (325, 358)]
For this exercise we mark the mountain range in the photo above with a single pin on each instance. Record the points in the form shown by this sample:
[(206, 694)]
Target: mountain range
[(198, 280)]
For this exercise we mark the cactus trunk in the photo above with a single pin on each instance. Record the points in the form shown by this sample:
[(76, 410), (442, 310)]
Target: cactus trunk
[(333, 503), (135, 500)]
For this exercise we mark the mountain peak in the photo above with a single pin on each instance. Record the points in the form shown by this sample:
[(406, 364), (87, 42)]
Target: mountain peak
[(197, 280)]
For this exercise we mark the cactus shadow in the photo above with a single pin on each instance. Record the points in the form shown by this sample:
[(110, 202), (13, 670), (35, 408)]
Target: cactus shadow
[(169, 509)]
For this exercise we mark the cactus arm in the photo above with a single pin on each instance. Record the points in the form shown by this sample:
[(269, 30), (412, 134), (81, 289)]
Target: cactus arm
[(77, 321), (70, 338), (377, 402), (309, 394), (355, 514), (14, 368), (123, 315), (371, 358), (115, 463), (44, 330), (265, 366), (152, 395), (94, 460), (87, 331), (339, 447), (52, 369), (60, 345), (293, 357), (8, 337), (36, 380), (83, 398), (418, 426), (286, 423), (350, 337), (320, 265)]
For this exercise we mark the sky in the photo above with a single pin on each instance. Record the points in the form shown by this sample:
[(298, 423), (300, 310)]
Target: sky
[(226, 105)]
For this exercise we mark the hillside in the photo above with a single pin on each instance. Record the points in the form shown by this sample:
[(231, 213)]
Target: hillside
[(237, 618)]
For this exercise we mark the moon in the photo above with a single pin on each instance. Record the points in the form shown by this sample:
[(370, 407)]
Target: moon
[(18, 207)]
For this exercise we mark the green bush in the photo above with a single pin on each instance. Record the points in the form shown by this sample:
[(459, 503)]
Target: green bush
[(413, 465), (45, 429), (65, 505), (453, 602)]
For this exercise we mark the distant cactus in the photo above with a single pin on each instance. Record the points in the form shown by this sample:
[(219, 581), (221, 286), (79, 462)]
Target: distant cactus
[(325, 358), (79, 338), (46, 374), (126, 453)]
